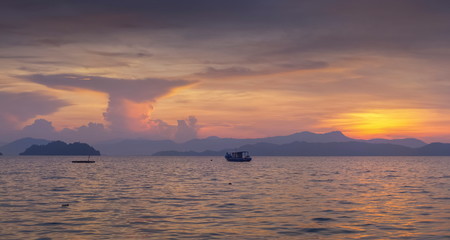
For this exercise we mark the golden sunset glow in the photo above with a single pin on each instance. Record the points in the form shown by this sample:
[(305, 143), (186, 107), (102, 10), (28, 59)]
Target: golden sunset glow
[(379, 123), (247, 78)]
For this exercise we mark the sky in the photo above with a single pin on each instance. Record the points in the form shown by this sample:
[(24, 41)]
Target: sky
[(108, 69)]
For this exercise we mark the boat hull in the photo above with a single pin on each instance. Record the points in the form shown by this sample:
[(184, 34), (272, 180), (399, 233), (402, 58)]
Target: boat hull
[(87, 161), (239, 159)]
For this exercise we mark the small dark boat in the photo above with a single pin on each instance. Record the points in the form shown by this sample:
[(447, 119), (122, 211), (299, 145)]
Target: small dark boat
[(84, 161), (243, 156)]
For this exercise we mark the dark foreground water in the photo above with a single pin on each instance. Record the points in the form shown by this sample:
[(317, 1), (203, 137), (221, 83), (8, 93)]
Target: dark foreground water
[(194, 197)]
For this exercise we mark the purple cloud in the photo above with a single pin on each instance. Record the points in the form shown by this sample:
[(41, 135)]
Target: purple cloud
[(135, 90), (17, 108)]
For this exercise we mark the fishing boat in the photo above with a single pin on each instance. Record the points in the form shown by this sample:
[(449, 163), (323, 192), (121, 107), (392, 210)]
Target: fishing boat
[(84, 161), (243, 156)]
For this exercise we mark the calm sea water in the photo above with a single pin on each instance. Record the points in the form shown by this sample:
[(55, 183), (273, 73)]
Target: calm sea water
[(209, 198)]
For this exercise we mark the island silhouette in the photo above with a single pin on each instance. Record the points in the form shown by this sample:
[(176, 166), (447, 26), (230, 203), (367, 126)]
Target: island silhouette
[(62, 148)]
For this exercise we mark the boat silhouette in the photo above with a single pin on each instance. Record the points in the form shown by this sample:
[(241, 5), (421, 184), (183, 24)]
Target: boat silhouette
[(84, 161), (242, 156)]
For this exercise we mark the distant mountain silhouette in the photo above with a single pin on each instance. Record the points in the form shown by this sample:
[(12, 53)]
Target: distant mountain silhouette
[(326, 149), (435, 149), (61, 148), (191, 153), (335, 136), (18, 146), (136, 147), (149, 147), (408, 142)]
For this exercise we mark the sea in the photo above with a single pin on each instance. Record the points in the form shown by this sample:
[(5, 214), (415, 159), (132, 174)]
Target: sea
[(49, 197)]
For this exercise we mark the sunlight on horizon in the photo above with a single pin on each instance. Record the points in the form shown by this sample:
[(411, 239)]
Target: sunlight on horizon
[(381, 122)]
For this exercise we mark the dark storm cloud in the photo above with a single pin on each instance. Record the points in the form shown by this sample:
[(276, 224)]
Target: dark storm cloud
[(304, 25)]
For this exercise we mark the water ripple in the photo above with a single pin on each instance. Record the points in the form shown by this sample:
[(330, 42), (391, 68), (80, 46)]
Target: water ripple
[(196, 198)]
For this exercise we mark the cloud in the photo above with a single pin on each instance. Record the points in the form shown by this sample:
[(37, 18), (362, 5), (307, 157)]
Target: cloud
[(17, 108), (247, 31), (135, 90), (52, 42), (96, 132), (40, 128), (125, 115), (92, 132), (250, 41), (309, 25), (186, 129), (212, 72), (303, 65), (139, 54), (17, 57), (130, 101)]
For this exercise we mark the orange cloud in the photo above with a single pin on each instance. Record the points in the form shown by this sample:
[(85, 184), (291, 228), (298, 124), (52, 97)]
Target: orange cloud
[(136, 115), (130, 101)]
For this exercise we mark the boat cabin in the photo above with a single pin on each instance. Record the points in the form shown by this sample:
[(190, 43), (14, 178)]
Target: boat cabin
[(243, 156)]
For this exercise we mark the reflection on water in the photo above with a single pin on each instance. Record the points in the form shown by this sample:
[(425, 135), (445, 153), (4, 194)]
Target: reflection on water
[(207, 198)]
